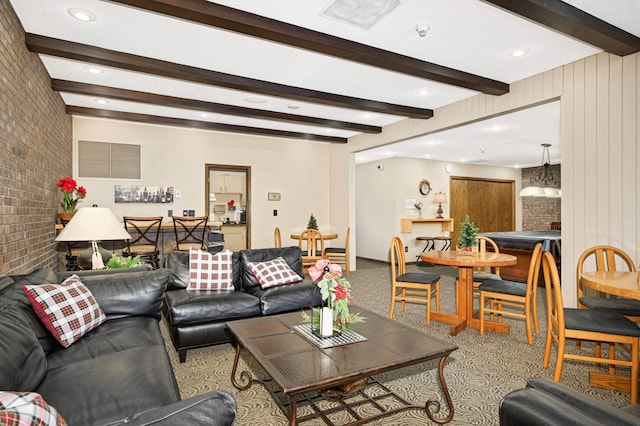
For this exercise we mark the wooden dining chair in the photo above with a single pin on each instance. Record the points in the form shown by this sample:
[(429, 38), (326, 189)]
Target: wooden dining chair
[(311, 253), (518, 298), (277, 239), (339, 255), (419, 287), (606, 258), (145, 232), (190, 232), (586, 325), (483, 273)]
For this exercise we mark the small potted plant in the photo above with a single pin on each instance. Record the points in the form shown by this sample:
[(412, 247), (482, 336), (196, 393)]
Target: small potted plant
[(72, 194), (468, 239), (313, 223)]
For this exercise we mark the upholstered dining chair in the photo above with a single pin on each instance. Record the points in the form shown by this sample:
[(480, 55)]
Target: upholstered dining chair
[(308, 243), (606, 258), (145, 232), (339, 255), (277, 239), (518, 298), (419, 287), (190, 232), (586, 325)]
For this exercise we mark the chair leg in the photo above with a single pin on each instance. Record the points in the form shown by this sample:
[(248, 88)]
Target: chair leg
[(403, 300), (559, 360), (527, 322), (428, 319), (634, 372), (393, 303), (438, 296), (547, 350)]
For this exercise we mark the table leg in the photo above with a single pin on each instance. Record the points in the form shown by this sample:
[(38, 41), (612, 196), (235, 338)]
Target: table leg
[(293, 417), (436, 404), (245, 376), (464, 299)]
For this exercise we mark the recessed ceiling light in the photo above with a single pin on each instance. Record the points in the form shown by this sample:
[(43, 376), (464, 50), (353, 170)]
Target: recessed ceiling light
[(293, 106), (519, 52), (101, 101), (82, 15), (424, 92), (256, 100), (94, 70)]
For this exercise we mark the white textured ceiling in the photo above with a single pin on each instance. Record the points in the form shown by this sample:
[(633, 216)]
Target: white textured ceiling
[(468, 35)]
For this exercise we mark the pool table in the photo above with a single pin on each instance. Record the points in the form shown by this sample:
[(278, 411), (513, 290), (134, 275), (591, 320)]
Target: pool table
[(521, 244)]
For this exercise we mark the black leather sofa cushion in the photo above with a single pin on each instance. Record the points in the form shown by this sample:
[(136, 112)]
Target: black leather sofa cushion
[(288, 297), (545, 402), (83, 391), (22, 360), (195, 307), (122, 294), (178, 266), (214, 408), (110, 337), (292, 255)]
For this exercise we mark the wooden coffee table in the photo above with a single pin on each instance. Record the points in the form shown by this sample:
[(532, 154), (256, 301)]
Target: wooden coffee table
[(301, 374)]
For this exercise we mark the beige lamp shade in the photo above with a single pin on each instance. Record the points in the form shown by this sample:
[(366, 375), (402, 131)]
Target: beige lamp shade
[(440, 197), (93, 224)]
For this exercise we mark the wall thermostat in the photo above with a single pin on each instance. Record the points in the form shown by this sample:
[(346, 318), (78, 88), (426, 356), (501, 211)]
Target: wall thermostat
[(274, 196)]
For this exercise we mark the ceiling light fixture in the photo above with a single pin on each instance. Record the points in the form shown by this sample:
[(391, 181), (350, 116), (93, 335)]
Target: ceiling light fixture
[(101, 101), (541, 185), (422, 29), (519, 52), (255, 100), (82, 15), (94, 70), (361, 13)]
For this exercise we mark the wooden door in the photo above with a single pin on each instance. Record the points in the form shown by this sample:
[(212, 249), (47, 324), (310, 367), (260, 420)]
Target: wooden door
[(490, 203)]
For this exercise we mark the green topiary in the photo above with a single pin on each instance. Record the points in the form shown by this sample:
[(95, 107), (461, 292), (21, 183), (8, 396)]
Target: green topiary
[(313, 223), (468, 234)]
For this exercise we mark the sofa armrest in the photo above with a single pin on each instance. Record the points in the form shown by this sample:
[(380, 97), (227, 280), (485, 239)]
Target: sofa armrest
[(215, 408)]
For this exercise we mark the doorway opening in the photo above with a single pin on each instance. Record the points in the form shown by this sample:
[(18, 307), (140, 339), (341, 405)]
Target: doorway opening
[(228, 200)]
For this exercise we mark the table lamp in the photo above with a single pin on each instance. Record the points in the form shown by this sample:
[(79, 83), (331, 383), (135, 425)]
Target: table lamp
[(93, 224), (440, 198)]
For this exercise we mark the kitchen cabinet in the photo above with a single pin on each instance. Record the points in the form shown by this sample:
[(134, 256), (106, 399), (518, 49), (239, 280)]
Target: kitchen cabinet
[(235, 237), (227, 183)]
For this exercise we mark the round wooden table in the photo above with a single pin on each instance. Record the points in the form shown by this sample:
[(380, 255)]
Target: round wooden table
[(324, 236), (618, 283), (464, 302)]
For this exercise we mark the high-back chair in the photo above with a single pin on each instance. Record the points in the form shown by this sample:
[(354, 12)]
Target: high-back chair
[(144, 232), (419, 287), (339, 255), (190, 232), (606, 258), (308, 243), (586, 325), (500, 294), (277, 239)]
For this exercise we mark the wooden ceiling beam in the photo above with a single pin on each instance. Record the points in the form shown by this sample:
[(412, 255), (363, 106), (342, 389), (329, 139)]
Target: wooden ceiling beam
[(197, 124), (215, 15), (574, 22), (96, 55), (155, 99)]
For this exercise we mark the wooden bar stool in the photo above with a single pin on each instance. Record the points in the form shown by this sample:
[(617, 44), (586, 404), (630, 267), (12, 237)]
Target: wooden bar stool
[(430, 245)]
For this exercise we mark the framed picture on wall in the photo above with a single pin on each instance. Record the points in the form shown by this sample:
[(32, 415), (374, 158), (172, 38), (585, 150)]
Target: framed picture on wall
[(143, 194)]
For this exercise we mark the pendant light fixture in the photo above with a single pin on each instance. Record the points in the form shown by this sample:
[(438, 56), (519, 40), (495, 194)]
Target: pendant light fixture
[(543, 185)]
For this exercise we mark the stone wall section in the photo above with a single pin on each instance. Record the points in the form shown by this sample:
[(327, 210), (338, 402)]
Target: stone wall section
[(35, 152), (538, 212)]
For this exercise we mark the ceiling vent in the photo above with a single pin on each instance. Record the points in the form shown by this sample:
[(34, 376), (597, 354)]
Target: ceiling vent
[(360, 13)]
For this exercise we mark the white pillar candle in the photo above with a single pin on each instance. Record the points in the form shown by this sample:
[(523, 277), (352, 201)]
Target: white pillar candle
[(326, 322)]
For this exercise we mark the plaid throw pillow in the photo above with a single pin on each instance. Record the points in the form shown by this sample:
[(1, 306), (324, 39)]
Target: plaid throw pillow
[(210, 271), (273, 273), (27, 408), (68, 310)]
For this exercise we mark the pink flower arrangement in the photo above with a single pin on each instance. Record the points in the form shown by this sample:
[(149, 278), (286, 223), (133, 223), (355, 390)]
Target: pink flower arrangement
[(72, 193), (419, 206)]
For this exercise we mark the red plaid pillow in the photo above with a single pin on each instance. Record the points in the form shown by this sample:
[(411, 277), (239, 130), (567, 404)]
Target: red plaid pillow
[(210, 271), (68, 310), (273, 273), (27, 408)]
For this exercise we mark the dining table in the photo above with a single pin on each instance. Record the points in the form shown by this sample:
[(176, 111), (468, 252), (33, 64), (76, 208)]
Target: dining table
[(464, 317), (620, 284)]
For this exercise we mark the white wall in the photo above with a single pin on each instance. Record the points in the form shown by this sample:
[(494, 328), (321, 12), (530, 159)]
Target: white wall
[(300, 170), (381, 196)]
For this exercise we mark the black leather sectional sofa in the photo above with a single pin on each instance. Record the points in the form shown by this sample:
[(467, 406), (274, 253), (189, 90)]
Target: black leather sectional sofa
[(198, 318), (118, 372), (544, 402)]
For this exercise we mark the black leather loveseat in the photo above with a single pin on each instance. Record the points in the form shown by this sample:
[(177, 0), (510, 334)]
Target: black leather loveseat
[(118, 372), (198, 318), (544, 402)]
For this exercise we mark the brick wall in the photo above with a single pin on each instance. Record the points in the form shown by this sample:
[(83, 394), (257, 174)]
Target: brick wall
[(35, 152), (538, 212)]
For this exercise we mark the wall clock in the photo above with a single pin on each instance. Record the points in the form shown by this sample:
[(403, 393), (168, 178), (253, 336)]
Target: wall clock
[(424, 187)]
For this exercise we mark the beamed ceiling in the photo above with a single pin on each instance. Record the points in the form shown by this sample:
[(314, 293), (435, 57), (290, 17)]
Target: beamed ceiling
[(282, 68)]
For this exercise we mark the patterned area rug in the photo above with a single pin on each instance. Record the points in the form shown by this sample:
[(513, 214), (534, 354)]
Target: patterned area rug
[(478, 374)]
